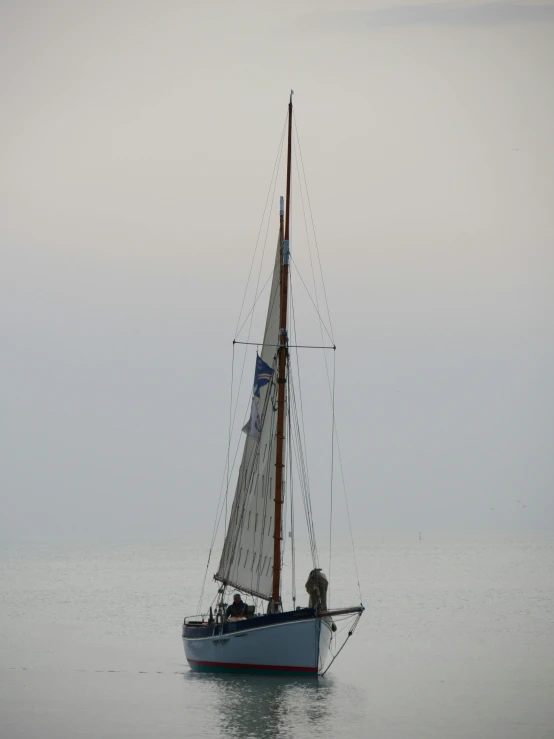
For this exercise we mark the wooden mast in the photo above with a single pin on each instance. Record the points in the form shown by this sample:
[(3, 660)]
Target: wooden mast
[(281, 380)]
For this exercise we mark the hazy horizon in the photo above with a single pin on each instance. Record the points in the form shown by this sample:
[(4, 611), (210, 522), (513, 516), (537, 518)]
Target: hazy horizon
[(137, 146)]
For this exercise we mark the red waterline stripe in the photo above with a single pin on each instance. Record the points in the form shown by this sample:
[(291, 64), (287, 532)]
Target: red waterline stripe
[(286, 668)]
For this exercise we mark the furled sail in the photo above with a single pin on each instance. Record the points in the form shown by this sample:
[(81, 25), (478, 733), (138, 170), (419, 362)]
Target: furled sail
[(247, 558)]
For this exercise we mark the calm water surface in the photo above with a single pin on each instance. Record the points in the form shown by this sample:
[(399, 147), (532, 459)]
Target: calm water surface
[(457, 641)]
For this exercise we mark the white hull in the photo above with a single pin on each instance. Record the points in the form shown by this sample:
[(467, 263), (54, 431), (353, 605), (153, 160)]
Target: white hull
[(300, 647)]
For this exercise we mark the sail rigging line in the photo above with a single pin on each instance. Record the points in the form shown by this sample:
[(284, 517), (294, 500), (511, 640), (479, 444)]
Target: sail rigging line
[(291, 476), (332, 478), (218, 512), (226, 470), (301, 467), (274, 176), (313, 224), (286, 486), (306, 491), (306, 498), (230, 430), (290, 346), (302, 424), (322, 322), (334, 355), (336, 431), (348, 515), (316, 304), (237, 333), (351, 631), (309, 241), (292, 532), (304, 483), (332, 339)]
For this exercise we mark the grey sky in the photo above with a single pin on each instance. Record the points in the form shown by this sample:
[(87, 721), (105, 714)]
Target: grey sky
[(137, 141), (371, 16)]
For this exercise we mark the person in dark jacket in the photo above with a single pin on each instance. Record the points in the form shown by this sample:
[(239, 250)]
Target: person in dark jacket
[(237, 609)]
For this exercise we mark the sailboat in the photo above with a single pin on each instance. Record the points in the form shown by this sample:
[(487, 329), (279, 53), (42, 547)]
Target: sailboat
[(272, 639)]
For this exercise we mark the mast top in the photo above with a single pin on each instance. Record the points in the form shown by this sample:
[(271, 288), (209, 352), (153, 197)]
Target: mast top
[(291, 94)]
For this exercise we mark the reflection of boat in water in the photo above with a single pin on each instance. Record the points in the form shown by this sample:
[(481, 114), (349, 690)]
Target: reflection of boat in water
[(265, 637), (248, 707)]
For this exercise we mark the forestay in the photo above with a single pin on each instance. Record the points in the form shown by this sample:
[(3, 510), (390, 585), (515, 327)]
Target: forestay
[(247, 558)]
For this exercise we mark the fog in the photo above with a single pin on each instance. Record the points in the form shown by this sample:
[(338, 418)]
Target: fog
[(137, 144)]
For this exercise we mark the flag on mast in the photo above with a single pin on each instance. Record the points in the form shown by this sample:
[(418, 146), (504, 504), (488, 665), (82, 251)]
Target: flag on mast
[(262, 375), (254, 427)]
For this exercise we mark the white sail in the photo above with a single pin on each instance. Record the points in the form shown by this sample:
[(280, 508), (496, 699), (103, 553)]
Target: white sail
[(247, 558)]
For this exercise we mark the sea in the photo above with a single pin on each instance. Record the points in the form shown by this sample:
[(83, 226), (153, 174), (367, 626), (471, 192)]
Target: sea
[(457, 640)]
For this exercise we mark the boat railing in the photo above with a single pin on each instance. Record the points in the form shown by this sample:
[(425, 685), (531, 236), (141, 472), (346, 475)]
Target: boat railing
[(200, 619)]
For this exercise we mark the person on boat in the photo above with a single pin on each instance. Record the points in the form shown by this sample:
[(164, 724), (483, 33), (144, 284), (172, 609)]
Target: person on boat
[(237, 609), (316, 587)]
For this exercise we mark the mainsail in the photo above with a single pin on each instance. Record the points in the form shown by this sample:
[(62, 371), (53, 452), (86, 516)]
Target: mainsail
[(247, 558)]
